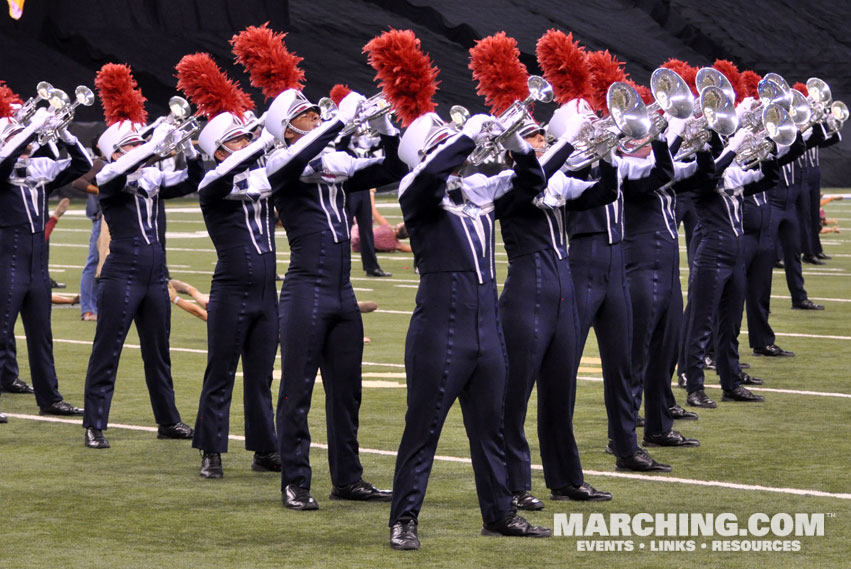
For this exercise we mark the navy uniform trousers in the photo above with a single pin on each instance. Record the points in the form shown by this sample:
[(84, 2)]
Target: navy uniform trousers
[(321, 329), (538, 308), (242, 322), (759, 256), (785, 227), (454, 350), (602, 300), (811, 227), (360, 208), (716, 289), (132, 287), (25, 287), (653, 279)]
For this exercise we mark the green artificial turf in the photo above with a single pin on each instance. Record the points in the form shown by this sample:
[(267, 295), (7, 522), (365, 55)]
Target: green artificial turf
[(142, 504)]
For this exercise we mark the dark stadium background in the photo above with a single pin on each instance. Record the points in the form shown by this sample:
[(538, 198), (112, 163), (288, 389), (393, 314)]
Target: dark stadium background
[(66, 41)]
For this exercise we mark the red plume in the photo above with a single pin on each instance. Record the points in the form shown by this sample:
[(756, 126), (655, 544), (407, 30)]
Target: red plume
[(120, 94), (565, 65), (495, 63), (605, 70), (645, 93), (338, 92), (802, 88), (7, 99), (750, 80), (408, 79), (731, 72), (209, 88), (684, 70), (264, 55)]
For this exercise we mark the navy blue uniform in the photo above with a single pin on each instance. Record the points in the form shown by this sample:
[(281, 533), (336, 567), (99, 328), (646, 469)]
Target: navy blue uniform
[(24, 279), (242, 315), (602, 298), (454, 348), (541, 326), (320, 323), (133, 283), (717, 282)]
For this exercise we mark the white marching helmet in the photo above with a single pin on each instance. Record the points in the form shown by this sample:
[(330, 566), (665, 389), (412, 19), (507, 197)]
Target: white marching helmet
[(117, 135), (286, 106), (529, 128), (221, 128), (421, 136), (573, 110)]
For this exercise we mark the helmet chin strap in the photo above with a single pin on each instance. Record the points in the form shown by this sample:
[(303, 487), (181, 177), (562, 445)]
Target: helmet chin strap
[(296, 129)]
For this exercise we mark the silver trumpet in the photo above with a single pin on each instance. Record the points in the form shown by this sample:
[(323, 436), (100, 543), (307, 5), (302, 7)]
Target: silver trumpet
[(64, 110), (511, 120), (28, 109), (370, 109), (777, 126), (627, 113), (185, 126)]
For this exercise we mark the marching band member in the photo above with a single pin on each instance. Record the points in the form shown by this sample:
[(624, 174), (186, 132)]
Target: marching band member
[(537, 306), (242, 318), (133, 283), (454, 348), (602, 296), (320, 322), (27, 181)]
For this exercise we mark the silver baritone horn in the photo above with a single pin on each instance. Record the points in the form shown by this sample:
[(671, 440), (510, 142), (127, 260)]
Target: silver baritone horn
[(627, 114), (777, 126), (370, 109), (511, 120), (673, 97), (714, 110), (185, 126), (64, 110)]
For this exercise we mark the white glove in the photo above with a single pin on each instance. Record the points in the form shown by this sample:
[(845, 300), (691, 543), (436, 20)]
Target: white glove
[(188, 149), (383, 125), (516, 144), (161, 133), (573, 127), (475, 127), (348, 108), (68, 138), (267, 138), (735, 141), (40, 118), (676, 127)]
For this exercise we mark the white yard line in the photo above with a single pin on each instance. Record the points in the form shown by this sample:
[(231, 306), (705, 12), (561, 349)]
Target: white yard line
[(464, 460)]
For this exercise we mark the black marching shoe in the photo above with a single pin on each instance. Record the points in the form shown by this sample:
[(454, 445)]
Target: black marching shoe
[(95, 438), (361, 491), (780, 265), (379, 272), (526, 501), (609, 449), (515, 526), (54, 284), (709, 362), (744, 365), (211, 465), (669, 439), (639, 421), (18, 386), (266, 462), (700, 399), (298, 498), (812, 260), (3, 418), (178, 430), (584, 493), (741, 394), (641, 461), (60, 407), (403, 536), (680, 414), (807, 304), (772, 351), (748, 380), (681, 380), (823, 256)]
